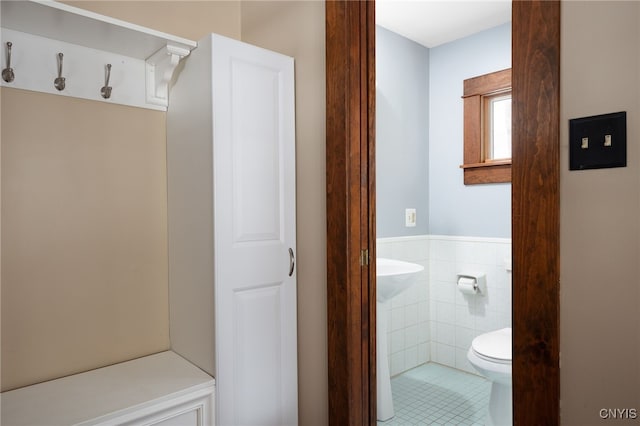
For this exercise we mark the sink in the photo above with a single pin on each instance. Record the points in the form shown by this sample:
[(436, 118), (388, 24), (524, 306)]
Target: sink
[(394, 277)]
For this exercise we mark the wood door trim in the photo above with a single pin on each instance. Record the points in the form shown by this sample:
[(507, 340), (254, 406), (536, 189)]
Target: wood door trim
[(535, 214), (350, 44)]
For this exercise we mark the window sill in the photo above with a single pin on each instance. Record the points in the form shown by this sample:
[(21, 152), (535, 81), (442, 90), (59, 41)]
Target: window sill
[(489, 172)]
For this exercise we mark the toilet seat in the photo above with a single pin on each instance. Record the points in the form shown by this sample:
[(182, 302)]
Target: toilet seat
[(494, 346)]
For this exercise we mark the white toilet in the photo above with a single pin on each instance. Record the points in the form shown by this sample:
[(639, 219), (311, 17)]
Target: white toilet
[(490, 355)]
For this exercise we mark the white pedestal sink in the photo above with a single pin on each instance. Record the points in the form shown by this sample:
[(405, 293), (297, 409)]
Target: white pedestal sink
[(392, 278)]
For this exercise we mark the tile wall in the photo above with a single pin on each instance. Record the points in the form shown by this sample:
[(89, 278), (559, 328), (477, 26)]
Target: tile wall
[(457, 318), (433, 321), (408, 326)]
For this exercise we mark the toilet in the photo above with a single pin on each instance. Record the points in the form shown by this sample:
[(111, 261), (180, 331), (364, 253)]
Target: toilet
[(490, 355)]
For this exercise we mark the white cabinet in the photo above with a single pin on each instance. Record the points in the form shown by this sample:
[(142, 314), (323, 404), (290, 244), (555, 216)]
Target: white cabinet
[(161, 389), (232, 244)]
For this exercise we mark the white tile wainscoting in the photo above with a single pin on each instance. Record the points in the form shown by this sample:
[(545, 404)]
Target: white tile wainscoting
[(433, 321), (408, 321)]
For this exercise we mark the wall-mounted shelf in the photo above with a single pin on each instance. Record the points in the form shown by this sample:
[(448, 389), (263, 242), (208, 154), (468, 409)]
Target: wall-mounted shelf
[(142, 59)]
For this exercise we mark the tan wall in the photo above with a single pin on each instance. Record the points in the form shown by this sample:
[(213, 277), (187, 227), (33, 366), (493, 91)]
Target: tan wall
[(84, 217), (600, 217), (84, 245), (188, 19), (297, 29)]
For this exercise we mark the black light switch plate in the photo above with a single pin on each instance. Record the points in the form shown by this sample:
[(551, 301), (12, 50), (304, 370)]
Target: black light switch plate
[(598, 142)]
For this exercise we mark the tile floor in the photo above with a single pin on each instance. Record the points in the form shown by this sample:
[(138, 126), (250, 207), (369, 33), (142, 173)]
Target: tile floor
[(433, 394)]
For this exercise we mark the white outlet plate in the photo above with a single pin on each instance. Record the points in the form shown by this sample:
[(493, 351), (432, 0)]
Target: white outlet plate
[(410, 218)]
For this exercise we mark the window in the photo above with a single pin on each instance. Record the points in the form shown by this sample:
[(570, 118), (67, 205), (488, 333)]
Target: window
[(487, 128)]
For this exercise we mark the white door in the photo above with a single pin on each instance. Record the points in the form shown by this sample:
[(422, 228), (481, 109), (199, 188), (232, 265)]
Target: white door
[(255, 241)]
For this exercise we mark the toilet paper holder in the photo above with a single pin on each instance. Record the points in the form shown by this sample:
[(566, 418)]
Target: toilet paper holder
[(472, 282)]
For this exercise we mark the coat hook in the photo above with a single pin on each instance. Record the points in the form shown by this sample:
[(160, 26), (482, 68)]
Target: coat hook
[(7, 73), (106, 89), (59, 82)]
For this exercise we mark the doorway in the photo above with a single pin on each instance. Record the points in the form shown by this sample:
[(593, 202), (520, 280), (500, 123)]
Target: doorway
[(350, 44), (461, 228)]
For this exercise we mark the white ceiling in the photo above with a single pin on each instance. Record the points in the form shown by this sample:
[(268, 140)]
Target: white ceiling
[(435, 22)]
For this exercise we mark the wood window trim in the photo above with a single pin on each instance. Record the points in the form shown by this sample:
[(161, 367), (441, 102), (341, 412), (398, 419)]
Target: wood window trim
[(475, 169)]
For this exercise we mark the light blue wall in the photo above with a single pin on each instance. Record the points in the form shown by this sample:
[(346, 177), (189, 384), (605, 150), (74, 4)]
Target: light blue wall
[(419, 136), (402, 133), (456, 209)]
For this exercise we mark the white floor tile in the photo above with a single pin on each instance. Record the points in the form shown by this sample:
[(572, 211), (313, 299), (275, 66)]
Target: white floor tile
[(432, 394)]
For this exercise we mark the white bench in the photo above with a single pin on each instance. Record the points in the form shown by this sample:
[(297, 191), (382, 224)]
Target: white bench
[(161, 389)]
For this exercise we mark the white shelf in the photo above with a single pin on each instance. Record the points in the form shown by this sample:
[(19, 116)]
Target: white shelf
[(39, 29)]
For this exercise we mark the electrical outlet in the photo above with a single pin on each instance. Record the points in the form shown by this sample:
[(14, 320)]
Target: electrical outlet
[(410, 218)]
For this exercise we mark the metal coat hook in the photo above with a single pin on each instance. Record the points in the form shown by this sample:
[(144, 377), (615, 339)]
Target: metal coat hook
[(106, 89), (7, 73), (59, 82)]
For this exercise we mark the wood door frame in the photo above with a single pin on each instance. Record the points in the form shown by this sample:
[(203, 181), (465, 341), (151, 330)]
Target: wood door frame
[(350, 44)]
